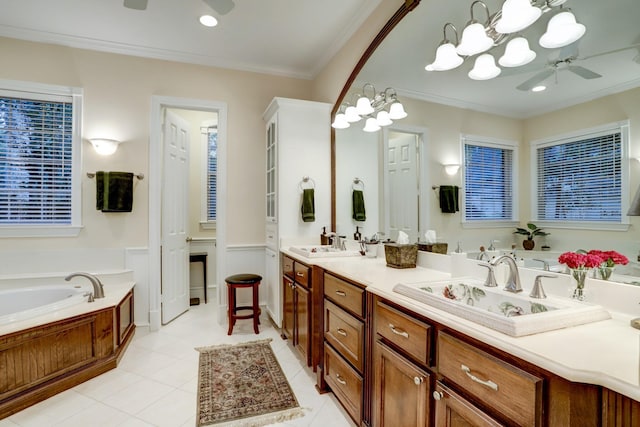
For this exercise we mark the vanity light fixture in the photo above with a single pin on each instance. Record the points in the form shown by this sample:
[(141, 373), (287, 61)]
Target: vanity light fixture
[(474, 38), (381, 109), (104, 147), (451, 169), (517, 15), (562, 30), (517, 53)]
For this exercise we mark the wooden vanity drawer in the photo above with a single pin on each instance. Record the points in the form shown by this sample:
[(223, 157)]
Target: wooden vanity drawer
[(345, 333), (344, 294), (409, 334), (287, 266), (509, 390), (301, 274), (344, 381)]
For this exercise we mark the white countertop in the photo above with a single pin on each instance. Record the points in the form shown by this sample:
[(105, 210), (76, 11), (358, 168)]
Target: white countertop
[(605, 353)]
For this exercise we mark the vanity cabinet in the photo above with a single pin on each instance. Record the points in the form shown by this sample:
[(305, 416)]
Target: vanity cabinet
[(293, 127), (453, 410), (344, 343), (297, 312)]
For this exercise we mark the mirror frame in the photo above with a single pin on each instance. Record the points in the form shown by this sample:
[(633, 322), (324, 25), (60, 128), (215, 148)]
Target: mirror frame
[(404, 9)]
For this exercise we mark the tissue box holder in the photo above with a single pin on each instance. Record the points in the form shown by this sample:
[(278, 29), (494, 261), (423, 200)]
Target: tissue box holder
[(438, 248), (401, 256)]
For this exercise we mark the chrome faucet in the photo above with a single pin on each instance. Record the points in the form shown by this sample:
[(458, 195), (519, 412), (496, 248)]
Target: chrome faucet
[(491, 278), (538, 290), (545, 264), (98, 289), (513, 281)]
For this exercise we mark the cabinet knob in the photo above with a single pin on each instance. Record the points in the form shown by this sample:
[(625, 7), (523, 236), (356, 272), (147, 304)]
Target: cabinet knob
[(437, 395), (418, 380)]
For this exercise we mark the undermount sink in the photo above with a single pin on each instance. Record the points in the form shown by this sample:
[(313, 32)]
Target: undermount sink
[(512, 314), (322, 251)]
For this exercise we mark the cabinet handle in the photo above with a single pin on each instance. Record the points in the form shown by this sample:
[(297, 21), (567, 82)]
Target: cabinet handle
[(398, 331), (340, 380), (341, 293), (299, 274), (418, 380), (437, 395), (487, 383), (341, 332)]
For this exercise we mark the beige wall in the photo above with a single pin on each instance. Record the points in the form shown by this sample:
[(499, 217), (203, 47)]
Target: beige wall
[(117, 99)]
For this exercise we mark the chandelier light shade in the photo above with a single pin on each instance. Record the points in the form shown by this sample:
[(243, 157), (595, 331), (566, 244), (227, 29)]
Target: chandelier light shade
[(516, 16), (351, 114), (371, 125), (517, 53), (562, 30), (340, 122), (484, 68), (474, 38), (396, 111), (383, 119), (363, 106), (446, 56)]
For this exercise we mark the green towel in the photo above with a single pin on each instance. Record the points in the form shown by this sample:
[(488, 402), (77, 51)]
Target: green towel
[(449, 198), (114, 191), (308, 205), (358, 206)]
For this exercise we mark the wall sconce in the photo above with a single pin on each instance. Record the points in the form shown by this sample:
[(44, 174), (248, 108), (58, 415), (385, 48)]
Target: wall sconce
[(451, 169), (104, 147)]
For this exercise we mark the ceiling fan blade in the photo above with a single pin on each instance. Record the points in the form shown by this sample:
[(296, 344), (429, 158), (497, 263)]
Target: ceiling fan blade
[(583, 72), (222, 7), (136, 4), (533, 81)]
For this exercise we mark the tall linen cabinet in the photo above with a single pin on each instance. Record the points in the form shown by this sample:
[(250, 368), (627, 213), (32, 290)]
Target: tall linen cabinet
[(298, 156)]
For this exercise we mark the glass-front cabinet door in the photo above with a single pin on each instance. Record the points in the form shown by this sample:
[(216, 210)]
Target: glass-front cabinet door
[(272, 164)]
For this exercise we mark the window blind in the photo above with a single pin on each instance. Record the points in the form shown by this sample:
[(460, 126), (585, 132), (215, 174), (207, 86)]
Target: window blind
[(212, 174), (35, 161), (581, 180), (488, 182)]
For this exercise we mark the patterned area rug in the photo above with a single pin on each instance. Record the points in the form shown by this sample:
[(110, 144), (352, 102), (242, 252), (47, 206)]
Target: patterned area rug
[(243, 385)]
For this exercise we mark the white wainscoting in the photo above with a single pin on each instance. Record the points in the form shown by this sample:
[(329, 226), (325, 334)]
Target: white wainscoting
[(196, 282)]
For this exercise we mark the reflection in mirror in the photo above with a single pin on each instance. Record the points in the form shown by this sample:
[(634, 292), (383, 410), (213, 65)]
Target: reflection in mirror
[(449, 104)]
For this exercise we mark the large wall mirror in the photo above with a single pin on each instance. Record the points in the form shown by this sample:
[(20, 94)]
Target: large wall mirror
[(592, 82)]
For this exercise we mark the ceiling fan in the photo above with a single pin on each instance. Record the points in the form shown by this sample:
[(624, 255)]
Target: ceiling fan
[(221, 7), (565, 61)]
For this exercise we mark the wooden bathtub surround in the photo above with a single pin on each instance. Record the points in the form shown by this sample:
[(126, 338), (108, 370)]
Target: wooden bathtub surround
[(42, 361)]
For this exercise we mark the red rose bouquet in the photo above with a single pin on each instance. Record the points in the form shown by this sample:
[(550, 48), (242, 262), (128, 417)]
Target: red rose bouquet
[(609, 259)]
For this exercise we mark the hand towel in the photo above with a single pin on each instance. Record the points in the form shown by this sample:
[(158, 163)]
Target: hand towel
[(359, 213), (114, 191), (449, 198), (308, 205)]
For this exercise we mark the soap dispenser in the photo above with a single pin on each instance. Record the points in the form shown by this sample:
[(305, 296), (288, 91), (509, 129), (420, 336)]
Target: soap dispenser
[(324, 237), (357, 236)]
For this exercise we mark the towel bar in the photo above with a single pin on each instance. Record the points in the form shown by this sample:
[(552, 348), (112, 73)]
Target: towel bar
[(92, 175)]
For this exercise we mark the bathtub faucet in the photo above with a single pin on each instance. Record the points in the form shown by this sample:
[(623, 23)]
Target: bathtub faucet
[(98, 289)]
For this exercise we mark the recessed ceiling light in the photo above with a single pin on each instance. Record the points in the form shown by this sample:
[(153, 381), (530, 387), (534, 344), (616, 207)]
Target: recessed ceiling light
[(538, 88), (208, 21)]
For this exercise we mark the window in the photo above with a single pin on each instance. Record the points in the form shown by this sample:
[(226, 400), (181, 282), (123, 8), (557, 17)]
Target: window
[(210, 175), (489, 181), (39, 160), (580, 178)]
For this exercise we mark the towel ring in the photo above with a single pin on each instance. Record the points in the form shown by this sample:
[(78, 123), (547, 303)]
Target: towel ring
[(357, 182), (308, 181)]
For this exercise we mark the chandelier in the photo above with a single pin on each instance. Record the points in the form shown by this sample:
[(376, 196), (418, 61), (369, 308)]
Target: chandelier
[(379, 110), (478, 38)]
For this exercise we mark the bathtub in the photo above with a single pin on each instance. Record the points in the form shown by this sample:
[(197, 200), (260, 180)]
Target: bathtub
[(26, 303)]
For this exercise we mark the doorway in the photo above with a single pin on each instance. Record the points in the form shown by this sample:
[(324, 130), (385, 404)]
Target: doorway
[(156, 176)]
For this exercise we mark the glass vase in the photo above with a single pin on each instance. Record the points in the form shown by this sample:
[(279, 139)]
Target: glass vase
[(579, 276), (604, 273)]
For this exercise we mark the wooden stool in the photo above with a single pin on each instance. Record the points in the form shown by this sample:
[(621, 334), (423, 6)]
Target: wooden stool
[(238, 281)]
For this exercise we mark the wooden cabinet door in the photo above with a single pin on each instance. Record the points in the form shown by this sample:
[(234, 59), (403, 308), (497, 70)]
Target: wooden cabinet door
[(401, 391), (302, 313), (288, 296), (452, 410)]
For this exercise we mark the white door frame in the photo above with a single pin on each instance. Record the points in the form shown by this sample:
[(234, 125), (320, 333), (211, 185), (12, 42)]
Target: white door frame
[(155, 196)]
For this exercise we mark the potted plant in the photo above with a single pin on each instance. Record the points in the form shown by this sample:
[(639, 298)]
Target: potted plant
[(531, 231)]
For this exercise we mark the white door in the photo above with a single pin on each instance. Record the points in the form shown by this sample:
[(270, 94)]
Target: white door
[(175, 198), (402, 194)]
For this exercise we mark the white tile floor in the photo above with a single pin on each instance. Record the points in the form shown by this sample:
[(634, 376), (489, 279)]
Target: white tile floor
[(156, 381)]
